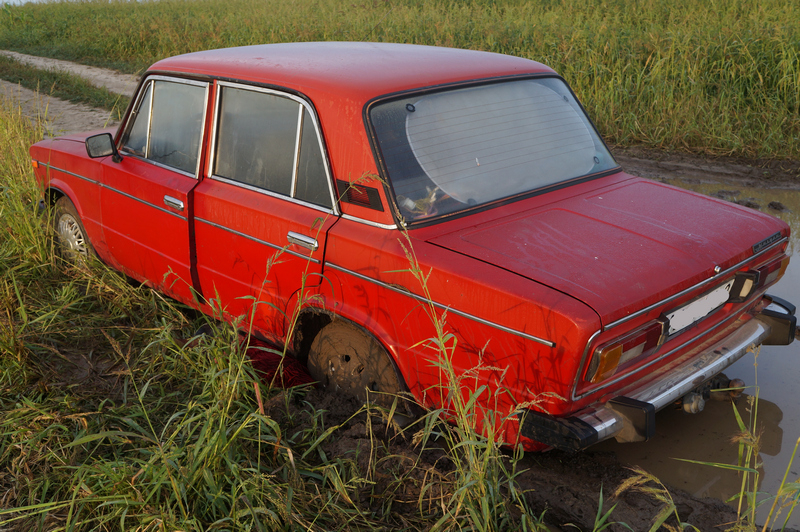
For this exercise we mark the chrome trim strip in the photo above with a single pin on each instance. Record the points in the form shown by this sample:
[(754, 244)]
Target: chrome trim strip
[(440, 306), (158, 164), (271, 194), (212, 146), (367, 222), (692, 288), (303, 105), (51, 167), (676, 383), (102, 185), (296, 164), (302, 240), (151, 86), (158, 208), (258, 240)]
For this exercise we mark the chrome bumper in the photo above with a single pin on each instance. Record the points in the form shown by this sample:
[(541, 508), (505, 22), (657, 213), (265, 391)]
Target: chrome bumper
[(611, 419), (631, 417)]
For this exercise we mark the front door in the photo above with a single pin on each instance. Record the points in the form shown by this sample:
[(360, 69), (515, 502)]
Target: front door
[(146, 198)]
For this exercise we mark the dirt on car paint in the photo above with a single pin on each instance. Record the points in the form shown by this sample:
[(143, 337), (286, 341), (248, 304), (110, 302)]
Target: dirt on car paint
[(565, 486)]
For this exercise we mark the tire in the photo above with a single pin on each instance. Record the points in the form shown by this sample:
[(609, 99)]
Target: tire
[(344, 358), (70, 234)]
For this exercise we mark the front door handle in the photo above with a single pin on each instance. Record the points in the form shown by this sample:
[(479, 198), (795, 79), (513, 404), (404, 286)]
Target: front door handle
[(302, 240), (175, 203)]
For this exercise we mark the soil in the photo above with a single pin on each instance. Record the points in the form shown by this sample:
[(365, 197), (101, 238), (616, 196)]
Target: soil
[(59, 116), (565, 486), (659, 165)]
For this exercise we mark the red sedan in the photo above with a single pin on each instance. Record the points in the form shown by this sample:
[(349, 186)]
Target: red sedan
[(354, 201)]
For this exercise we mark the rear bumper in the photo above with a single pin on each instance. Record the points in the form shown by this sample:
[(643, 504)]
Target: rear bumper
[(631, 416)]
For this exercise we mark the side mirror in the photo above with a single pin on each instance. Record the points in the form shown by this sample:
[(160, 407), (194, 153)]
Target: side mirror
[(102, 145)]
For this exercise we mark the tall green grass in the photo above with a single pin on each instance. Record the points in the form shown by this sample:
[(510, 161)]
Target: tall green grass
[(718, 77), (115, 415)]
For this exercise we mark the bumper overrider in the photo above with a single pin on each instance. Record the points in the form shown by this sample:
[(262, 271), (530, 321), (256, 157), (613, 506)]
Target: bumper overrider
[(631, 415)]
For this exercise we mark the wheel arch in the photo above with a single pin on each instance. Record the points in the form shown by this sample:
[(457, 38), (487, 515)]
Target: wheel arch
[(312, 320), (53, 194)]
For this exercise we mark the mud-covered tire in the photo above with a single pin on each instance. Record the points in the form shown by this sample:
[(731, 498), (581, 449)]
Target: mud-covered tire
[(346, 359), (70, 234)]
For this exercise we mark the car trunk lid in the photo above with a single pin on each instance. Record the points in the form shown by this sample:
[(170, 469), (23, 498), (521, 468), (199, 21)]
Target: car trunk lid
[(619, 248)]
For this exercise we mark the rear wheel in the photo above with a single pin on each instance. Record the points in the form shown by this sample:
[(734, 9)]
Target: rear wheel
[(344, 358), (70, 232)]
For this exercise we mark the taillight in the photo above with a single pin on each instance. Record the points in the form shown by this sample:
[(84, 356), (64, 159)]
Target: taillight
[(638, 344), (772, 272), (746, 282)]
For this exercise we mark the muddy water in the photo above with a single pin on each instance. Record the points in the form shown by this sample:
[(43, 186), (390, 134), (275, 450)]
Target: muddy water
[(776, 371)]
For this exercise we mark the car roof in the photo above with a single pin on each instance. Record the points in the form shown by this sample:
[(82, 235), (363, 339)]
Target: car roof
[(355, 70)]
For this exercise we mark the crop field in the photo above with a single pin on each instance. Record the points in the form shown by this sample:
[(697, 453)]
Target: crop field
[(121, 410), (717, 78)]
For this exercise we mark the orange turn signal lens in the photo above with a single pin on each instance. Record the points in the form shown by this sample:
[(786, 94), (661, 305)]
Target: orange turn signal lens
[(612, 355), (607, 362)]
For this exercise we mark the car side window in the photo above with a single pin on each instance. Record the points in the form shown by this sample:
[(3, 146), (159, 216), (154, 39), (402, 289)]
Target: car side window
[(312, 182), (136, 139), (168, 124), (269, 141), (256, 139)]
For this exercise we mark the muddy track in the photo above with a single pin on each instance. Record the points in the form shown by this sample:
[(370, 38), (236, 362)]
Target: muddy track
[(567, 486)]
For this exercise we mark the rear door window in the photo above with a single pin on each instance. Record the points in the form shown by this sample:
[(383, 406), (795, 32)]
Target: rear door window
[(269, 141)]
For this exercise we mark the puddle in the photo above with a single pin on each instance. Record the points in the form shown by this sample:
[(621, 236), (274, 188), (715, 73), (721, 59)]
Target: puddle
[(707, 436)]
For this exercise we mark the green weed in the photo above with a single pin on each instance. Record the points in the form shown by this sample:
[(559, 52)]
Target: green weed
[(718, 78)]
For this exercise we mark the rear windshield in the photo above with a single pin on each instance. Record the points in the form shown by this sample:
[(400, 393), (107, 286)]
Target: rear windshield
[(452, 150)]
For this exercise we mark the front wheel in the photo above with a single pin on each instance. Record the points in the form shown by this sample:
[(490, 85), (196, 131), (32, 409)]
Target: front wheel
[(344, 358), (70, 232)]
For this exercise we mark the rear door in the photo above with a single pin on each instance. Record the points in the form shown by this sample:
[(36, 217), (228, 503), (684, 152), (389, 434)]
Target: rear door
[(146, 198), (263, 212)]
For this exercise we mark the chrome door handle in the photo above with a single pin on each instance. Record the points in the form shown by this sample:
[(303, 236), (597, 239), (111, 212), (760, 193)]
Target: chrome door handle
[(175, 203), (302, 240)]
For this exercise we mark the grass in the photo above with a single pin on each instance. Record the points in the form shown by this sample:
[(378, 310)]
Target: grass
[(116, 415), (719, 78)]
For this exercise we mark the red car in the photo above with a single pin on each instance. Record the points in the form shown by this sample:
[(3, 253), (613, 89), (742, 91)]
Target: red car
[(296, 185)]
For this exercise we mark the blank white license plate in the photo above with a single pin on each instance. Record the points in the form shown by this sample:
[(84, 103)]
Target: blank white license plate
[(698, 309)]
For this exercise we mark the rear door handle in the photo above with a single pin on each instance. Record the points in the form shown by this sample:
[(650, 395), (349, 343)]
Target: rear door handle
[(302, 240), (175, 203)]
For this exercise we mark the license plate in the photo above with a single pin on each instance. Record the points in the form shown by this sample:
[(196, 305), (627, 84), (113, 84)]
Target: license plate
[(682, 317)]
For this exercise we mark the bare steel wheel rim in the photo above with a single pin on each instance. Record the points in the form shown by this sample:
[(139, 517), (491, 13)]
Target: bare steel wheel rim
[(69, 230)]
